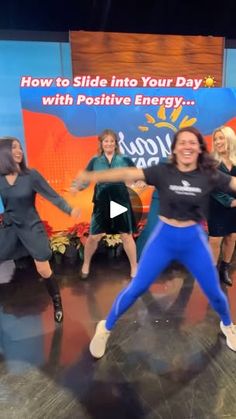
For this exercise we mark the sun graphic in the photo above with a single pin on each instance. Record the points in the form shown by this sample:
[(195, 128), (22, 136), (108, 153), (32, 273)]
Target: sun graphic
[(173, 123), (209, 81)]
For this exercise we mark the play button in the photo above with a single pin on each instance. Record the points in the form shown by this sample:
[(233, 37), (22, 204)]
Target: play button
[(116, 209), (118, 206)]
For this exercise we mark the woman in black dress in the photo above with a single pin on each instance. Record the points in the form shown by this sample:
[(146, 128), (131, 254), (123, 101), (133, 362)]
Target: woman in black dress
[(109, 157), (22, 230), (222, 212)]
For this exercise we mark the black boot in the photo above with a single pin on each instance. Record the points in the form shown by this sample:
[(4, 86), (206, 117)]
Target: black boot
[(224, 274), (54, 292)]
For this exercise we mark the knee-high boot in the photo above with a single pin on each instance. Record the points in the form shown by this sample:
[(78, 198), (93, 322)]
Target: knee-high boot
[(54, 292), (224, 273)]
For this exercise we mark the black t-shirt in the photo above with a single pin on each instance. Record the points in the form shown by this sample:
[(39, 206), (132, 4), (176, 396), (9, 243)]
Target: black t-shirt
[(184, 195)]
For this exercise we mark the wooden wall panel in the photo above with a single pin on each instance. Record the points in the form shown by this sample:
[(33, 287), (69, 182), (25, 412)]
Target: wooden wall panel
[(135, 55)]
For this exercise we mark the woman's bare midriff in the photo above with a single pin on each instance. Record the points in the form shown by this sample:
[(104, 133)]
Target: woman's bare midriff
[(177, 223)]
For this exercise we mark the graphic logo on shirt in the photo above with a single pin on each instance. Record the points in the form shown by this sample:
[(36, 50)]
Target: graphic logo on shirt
[(185, 183), (185, 189)]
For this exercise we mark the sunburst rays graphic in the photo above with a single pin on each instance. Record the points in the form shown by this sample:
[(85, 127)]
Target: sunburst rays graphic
[(174, 122)]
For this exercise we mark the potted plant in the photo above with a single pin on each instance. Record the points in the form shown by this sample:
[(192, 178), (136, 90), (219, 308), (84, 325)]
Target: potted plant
[(113, 242), (77, 236), (58, 244)]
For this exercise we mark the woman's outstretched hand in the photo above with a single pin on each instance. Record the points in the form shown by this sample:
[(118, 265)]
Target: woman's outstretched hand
[(75, 213), (139, 184), (83, 178), (81, 182), (73, 190)]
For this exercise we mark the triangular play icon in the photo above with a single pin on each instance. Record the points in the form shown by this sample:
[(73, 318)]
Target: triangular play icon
[(116, 209)]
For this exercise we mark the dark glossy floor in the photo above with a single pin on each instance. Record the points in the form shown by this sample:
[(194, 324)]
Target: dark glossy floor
[(166, 357)]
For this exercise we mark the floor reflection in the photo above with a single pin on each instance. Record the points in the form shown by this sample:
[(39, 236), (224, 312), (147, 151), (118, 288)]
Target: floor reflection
[(166, 357)]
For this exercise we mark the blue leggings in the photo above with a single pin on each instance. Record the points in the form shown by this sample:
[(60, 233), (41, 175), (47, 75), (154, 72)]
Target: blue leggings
[(187, 245)]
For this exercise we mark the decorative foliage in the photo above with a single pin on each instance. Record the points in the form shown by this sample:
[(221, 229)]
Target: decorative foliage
[(58, 243), (65, 241), (78, 234), (112, 240)]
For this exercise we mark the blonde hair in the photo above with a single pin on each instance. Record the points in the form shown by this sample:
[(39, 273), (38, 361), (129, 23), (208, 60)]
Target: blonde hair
[(102, 137), (230, 137)]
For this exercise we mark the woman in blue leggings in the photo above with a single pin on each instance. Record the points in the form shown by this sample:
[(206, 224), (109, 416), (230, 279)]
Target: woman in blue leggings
[(184, 185)]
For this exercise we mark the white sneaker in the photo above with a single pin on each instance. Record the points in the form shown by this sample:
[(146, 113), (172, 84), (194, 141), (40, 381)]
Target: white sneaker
[(97, 345), (230, 334)]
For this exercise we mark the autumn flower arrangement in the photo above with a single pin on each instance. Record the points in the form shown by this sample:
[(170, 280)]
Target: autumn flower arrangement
[(78, 234), (74, 238), (58, 241), (112, 240)]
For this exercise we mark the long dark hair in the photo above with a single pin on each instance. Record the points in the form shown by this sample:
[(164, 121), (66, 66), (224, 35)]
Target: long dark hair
[(7, 163), (102, 137), (206, 162)]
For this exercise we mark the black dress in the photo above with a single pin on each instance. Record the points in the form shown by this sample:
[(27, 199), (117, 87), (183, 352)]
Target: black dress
[(105, 192), (22, 232), (222, 218)]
